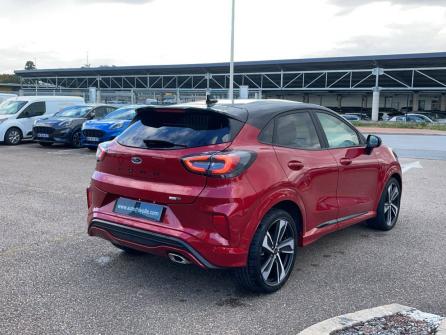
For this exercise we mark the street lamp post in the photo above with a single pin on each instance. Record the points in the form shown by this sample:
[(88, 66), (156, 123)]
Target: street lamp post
[(231, 66)]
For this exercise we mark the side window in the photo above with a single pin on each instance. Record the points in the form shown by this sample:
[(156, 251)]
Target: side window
[(266, 136), (110, 109), (100, 112), (34, 109), (296, 131), (338, 133)]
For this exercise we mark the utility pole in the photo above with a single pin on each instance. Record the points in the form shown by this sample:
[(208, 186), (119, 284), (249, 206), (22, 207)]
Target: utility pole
[(231, 66)]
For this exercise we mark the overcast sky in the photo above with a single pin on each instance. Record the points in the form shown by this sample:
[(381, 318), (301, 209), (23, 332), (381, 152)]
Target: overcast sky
[(58, 33)]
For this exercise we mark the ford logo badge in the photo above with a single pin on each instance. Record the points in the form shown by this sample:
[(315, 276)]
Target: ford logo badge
[(136, 160)]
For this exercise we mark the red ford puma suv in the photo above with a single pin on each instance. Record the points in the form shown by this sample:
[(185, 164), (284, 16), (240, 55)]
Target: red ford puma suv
[(239, 185)]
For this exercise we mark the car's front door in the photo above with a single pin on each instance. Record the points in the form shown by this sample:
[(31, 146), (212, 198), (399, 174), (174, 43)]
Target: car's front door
[(312, 171), (27, 117), (358, 169)]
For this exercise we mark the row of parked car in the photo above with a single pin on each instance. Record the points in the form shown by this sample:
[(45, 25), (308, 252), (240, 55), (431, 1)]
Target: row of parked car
[(409, 117), (65, 120)]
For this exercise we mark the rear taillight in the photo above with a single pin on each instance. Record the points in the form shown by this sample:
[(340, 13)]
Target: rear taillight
[(102, 151), (226, 164)]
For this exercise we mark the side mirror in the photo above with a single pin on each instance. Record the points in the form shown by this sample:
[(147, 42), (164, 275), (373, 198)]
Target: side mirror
[(373, 141)]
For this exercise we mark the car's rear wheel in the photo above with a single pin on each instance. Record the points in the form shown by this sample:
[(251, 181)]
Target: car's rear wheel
[(271, 255), (76, 139), (128, 250), (46, 144), (388, 207), (13, 136)]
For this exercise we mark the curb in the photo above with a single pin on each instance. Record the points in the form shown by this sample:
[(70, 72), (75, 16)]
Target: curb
[(441, 330), (348, 320)]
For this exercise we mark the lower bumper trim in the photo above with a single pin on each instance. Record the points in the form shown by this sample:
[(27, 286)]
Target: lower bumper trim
[(149, 239)]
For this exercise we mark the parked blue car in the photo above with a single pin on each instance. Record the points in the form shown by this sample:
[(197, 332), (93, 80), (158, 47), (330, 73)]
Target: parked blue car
[(106, 129)]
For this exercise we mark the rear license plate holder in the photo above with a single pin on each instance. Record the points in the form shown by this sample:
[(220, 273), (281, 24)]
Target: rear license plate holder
[(139, 209)]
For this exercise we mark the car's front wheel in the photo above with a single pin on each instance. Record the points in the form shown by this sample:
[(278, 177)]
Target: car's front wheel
[(388, 207), (76, 139), (271, 255), (13, 136)]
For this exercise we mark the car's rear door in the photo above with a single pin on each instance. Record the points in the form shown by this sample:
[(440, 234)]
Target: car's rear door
[(358, 170), (312, 171)]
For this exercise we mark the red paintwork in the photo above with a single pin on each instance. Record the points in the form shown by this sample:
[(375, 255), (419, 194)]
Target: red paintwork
[(218, 217)]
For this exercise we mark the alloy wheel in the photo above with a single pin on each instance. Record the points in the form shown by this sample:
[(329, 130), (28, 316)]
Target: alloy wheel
[(392, 204), (14, 136), (277, 252), (76, 140)]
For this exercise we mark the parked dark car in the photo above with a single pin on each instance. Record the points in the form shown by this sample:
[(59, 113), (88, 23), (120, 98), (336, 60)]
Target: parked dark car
[(416, 118), (351, 117), (360, 116), (239, 185), (65, 126)]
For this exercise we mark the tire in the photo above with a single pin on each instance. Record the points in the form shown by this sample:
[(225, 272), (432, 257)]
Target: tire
[(13, 136), (76, 139), (46, 144), (128, 250), (384, 219), (269, 265)]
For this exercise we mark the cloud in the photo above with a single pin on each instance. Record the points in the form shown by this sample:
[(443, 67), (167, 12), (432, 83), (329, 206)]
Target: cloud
[(402, 38), (14, 4), (15, 58), (356, 3), (346, 6)]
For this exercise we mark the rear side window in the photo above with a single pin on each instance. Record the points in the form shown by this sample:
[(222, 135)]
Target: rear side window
[(179, 129), (297, 131)]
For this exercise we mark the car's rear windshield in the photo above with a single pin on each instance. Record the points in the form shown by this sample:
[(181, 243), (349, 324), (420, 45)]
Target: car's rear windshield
[(179, 129)]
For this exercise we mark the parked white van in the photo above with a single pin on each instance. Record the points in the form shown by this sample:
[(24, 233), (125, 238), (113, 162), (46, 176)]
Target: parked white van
[(4, 96), (17, 115)]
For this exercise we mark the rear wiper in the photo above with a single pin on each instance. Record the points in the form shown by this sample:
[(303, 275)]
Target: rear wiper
[(162, 144)]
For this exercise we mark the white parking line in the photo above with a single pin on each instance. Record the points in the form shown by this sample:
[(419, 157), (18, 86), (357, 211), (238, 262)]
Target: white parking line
[(409, 166)]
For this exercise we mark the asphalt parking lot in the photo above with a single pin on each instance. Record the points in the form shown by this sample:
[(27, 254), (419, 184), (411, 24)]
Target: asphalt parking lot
[(54, 279)]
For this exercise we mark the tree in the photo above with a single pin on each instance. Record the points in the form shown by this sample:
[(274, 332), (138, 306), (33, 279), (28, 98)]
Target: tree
[(9, 78), (30, 65)]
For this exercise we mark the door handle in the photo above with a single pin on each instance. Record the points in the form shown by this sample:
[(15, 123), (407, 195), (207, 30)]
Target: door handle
[(346, 161), (295, 165)]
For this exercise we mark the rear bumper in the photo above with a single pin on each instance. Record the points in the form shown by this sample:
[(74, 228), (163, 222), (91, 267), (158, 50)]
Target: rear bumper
[(152, 238), (146, 241)]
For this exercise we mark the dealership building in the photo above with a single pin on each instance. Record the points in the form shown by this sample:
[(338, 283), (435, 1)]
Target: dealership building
[(386, 83)]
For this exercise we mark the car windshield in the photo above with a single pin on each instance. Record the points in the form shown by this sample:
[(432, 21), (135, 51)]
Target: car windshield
[(74, 111), (125, 113), (10, 107)]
